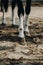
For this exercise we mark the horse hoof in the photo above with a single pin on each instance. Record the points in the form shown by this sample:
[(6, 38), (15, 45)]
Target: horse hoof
[(3, 24), (27, 34), (28, 37), (22, 41), (14, 26)]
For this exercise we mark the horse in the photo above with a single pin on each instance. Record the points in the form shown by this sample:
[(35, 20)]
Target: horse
[(4, 9), (23, 29)]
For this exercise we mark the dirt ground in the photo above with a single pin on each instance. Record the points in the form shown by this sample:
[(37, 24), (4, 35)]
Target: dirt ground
[(10, 49)]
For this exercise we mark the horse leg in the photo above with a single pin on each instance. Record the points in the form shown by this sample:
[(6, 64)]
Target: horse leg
[(20, 14), (21, 17), (4, 17), (21, 29), (5, 8), (27, 24), (13, 17)]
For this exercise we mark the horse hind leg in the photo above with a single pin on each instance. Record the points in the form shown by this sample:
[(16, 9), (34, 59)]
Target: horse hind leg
[(27, 11), (13, 19), (26, 26), (4, 18), (13, 13)]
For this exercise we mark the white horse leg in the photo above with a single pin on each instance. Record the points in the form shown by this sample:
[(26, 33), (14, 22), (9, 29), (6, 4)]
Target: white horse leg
[(13, 18), (4, 17), (27, 24), (21, 29)]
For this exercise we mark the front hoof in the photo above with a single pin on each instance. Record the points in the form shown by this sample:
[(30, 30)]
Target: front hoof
[(27, 34), (22, 41), (3, 24)]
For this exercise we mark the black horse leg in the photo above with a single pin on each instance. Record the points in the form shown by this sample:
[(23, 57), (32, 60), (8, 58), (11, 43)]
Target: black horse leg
[(13, 4), (28, 7)]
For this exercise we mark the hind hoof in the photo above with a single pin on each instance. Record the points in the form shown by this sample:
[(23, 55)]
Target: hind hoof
[(27, 34)]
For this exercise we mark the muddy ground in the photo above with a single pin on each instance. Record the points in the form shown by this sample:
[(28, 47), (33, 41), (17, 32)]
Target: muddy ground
[(11, 52)]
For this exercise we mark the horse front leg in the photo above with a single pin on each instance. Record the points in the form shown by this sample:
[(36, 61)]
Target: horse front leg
[(21, 19), (26, 25), (21, 30), (4, 5), (27, 11)]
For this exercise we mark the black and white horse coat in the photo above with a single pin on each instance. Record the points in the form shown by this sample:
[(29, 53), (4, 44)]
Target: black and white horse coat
[(21, 15), (20, 6)]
